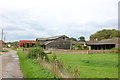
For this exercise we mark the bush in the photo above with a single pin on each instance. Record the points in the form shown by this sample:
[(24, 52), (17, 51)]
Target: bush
[(37, 51), (118, 48), (77, 47), (31, 69), (85, 48)]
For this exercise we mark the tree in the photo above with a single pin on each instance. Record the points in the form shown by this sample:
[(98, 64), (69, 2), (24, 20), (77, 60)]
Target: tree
[(37, 43), (81, 38), (105, 34), (13, 44), (73, 39)]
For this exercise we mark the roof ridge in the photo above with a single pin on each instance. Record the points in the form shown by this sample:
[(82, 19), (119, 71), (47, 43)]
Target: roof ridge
[(53, 37)]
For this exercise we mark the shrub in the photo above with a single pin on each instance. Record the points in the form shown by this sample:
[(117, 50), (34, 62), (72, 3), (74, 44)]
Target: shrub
[(85, 48), (118, 48), (77, 47), (37, 51)]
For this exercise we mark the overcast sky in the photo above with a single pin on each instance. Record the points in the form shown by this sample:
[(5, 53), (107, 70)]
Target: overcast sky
[(30, 19)]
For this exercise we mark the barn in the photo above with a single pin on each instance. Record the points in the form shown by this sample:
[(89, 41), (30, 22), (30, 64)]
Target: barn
[(2, 44), (104, 44), (55, 42), (27, 43)]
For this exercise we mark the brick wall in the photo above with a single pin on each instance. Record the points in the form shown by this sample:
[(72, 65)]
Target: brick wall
[(80, 51)]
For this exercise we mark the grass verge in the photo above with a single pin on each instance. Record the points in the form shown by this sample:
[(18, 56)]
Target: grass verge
[(31, 68), (4, 51)]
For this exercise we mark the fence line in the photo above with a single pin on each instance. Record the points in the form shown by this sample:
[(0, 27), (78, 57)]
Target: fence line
[(81, 51)]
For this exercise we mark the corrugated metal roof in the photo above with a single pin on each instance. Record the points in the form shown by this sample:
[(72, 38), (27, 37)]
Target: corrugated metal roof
[(89, 42), (75, 42), (41, 38), (114, 40), (27, 41), (106, 41), (48, 42), (50, 38)]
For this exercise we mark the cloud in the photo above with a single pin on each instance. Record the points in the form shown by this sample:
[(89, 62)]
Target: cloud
[(28, 19)]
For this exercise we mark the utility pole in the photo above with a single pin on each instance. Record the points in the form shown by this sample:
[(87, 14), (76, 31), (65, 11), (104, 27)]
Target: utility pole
[(1, 44), (70, 44), (2, 35)]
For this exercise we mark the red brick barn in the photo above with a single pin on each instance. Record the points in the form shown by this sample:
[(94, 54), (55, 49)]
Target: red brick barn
[(2, 43), (27, 43)]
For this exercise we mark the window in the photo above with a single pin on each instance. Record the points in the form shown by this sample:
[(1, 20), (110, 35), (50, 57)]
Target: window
[(63, 37)]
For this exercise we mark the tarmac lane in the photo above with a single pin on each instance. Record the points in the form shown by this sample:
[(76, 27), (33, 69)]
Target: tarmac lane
[(10, 65)]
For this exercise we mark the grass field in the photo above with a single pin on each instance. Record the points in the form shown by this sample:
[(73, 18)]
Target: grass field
[(31, 68), (103, 65)]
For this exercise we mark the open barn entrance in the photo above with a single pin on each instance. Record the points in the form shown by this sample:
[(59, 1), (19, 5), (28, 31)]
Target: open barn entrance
[(102, 46), (43, 46)]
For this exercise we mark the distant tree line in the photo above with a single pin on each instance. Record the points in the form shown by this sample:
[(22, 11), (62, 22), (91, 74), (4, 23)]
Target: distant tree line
[(13, 44), (81, 38), (105, 34), (100, 35)]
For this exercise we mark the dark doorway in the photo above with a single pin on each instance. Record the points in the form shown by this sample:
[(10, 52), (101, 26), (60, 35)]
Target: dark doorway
[(102, 47)]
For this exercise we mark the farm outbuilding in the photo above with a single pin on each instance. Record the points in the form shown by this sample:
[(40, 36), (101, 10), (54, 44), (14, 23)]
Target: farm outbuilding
[(56, 42), (2, 44), (104, 44), (27, 43)]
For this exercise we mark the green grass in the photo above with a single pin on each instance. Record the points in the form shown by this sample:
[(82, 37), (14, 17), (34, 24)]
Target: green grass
[(14, 49), (4, 51), (31, 69), (103, 65)]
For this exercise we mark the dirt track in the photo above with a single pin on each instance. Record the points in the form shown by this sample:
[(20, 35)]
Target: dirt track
[(9, 65)]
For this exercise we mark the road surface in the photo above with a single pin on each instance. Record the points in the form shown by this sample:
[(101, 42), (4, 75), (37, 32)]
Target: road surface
[(9, 65)]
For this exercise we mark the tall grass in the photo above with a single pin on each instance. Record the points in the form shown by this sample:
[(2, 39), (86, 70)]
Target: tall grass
[(39, 67), (31, 68), (56, 67)]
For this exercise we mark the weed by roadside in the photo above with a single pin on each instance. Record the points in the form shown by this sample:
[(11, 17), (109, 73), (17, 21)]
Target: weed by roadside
[(31, 68)]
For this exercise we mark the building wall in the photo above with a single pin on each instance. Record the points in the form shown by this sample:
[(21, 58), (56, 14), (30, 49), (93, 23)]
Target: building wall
[(117, 45), (60, 43), (81, 51), (41, 42), (1, 46), (26, 43)]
